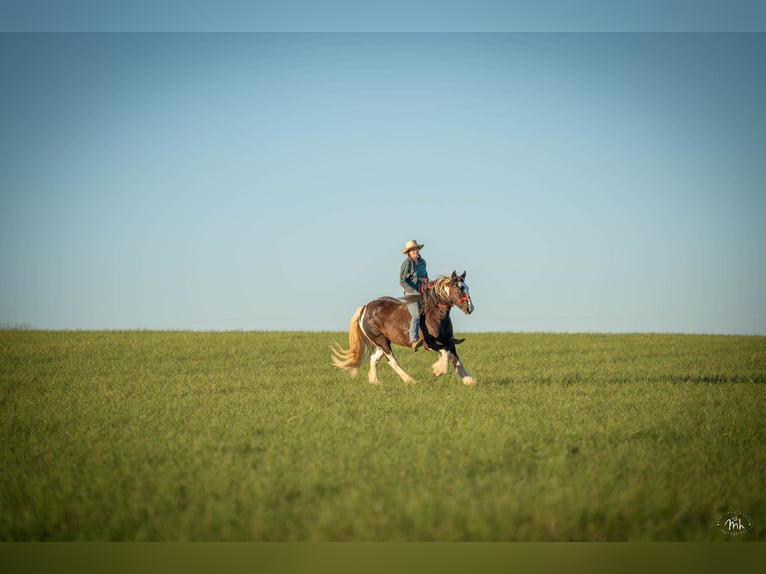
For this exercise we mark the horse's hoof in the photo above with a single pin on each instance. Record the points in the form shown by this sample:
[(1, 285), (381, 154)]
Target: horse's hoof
[(469, 381)]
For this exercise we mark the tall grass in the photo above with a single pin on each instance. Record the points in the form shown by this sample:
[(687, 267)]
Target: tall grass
[(255, 436)]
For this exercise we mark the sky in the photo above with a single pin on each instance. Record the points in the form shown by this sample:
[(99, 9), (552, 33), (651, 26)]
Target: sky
[(587, 182), (379, 16)]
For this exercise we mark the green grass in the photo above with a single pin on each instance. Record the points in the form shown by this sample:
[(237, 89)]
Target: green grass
[(255, 436)]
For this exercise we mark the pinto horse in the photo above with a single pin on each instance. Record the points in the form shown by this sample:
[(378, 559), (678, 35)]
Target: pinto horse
[(381, 322)]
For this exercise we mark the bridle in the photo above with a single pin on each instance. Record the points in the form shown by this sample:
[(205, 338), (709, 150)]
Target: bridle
[(453, 295)]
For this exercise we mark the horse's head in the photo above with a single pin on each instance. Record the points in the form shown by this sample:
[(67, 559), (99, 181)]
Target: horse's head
[(462, 298)]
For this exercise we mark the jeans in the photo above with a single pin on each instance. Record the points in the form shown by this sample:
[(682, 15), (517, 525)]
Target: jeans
[(414, 309)]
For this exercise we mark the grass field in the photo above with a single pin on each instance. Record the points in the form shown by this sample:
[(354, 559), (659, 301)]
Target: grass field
[(255, 436)]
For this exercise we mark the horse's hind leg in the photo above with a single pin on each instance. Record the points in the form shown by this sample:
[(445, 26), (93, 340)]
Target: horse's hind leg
[(398, 368), (375, 358), (385, 347)]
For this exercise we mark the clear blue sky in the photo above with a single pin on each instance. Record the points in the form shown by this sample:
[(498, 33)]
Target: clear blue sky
[(384, 16), (586, 182)]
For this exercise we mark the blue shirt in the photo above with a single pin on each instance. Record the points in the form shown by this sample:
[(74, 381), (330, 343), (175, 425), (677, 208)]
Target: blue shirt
[(413, 274)]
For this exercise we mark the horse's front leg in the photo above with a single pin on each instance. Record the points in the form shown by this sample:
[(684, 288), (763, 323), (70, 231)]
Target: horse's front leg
[(441, 365), (460, 370)]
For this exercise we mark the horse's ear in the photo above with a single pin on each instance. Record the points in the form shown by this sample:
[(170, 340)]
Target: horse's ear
[(454, 275), (463, 276)]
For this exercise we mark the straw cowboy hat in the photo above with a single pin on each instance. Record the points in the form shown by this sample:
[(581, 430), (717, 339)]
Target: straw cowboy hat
[(412, 244)]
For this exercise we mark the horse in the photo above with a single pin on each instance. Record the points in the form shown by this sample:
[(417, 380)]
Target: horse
[(386, 320)]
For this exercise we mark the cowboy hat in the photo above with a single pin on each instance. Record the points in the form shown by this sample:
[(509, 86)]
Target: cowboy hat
[(412, 244)]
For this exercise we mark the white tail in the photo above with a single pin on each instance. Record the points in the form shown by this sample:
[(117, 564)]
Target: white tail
[(350, 359)]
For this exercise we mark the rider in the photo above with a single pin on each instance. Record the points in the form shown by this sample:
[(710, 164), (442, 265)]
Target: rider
[(413, 277)]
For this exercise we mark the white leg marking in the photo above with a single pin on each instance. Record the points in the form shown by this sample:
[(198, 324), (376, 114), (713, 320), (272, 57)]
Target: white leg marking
[(399, 371), (464, 375), (374, 360), (441, 364)]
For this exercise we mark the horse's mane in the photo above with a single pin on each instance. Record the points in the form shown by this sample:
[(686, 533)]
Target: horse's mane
[(432, 296)]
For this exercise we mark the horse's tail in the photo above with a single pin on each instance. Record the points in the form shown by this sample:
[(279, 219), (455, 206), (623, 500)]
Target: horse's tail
[(350, 359)]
